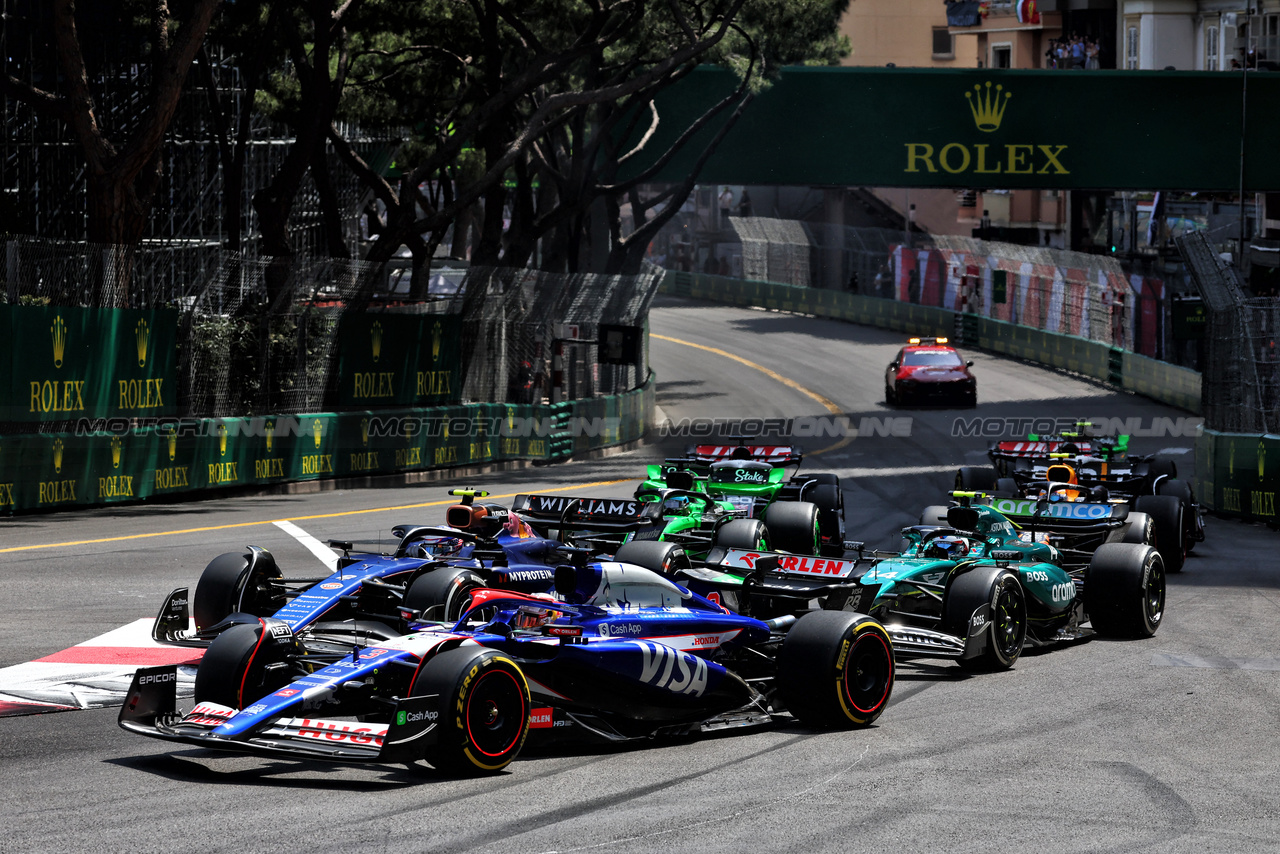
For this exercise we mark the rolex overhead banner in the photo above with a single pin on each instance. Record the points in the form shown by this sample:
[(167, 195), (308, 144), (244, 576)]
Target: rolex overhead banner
[(70, 363), (399, 360), (965, 128)]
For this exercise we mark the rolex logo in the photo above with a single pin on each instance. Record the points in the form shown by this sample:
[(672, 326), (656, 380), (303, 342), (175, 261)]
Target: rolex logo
[(143, 336), (375, 335), (57, 455), (317, 430), (222, 440), (364, 431), (987, 109), (1262, 460), (59, 330), (271, 435), (435, 341), (173, 445), (116, 448)]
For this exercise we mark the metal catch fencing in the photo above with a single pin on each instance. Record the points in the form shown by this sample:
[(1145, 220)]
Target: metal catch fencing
[(261, 335), (1240, 386)]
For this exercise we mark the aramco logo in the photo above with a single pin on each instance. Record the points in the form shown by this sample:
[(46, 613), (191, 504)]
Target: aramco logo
[(987, 109), (59, 330), (143, 339)]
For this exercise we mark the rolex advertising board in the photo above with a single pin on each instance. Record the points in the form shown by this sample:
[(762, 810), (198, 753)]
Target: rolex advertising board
[(399, 360), (69, 363), (1006, 128)]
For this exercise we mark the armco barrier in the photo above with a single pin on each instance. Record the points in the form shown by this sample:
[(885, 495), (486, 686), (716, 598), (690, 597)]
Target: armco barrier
[(1238, 474), (47, 471), (1157, 380)]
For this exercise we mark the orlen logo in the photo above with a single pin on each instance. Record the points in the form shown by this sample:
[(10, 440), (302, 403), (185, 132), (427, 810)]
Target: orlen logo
[(540, 719), (157, 678)]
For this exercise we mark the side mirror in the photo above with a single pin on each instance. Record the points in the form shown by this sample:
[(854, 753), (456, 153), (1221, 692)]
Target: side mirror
[(969, 364), (894, 363)]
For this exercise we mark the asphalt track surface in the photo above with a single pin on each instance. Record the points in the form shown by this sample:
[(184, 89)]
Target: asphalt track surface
[(1164, 744)]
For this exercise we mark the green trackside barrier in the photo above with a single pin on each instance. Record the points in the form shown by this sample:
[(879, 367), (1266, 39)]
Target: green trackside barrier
[(51, 471), (1161, 381), (1238, 474), (1158, 380)]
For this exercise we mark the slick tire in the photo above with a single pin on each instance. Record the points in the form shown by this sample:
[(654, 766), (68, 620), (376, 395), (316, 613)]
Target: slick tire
[(1139, 529), (934, 514), (1006, 626), (442, 594), (829, 500), (1167, 512), (236, 582), (825, 477), (977, 478), (1161, 468), (1181, 490), (749, 534), (234, 671), (666, 559), (793, 527), (484, 705), (1124, 590), (836, 669)]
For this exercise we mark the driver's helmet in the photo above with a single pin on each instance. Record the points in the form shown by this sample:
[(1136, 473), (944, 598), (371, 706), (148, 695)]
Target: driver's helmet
[(437, 547), (675, 504), (947, 548)]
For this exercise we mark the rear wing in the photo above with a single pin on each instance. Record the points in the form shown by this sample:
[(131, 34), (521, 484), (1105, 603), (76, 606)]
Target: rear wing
[(595, 514), (744, 562), (778, 455), (1060, 513)]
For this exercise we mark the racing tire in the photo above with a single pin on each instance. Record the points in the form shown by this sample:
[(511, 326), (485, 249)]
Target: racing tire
[(751, 534), (234, 671), (1007, 487), (836, 669), (1168, 514), (442, 594), (1124, 590), (229, 584), (934, 514), (830, 503), (825, 477), (484, 710), (1139, 529), (1006, 625), (1161, 468), (666, 559), (793, 527), (976, 478), (1181, 490)]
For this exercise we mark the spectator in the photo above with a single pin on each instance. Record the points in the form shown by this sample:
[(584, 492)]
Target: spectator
[(744, 205), (884, 282), (1091, 51), (1077, 52), (726, 206)]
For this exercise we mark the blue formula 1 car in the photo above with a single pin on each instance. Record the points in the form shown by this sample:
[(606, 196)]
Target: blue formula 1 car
[(431, 573), (623, 654)]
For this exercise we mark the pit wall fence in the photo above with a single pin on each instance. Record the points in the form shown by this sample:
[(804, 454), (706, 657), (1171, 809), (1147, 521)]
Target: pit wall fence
[(120, 459), (1232, 477)]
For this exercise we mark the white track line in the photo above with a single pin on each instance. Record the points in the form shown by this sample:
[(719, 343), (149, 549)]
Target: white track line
[(317, 548)]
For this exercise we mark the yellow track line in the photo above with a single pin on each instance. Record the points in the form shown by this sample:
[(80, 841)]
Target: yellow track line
[(827, 402), (290, 519)]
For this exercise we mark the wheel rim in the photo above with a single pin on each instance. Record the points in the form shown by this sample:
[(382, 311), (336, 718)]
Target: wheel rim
[(1008, 624), (495, 713), (1153, 595), (869, 673)]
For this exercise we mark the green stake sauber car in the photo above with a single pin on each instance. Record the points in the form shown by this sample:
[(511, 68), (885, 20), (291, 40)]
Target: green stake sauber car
[(971, 590), (802, 514)]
